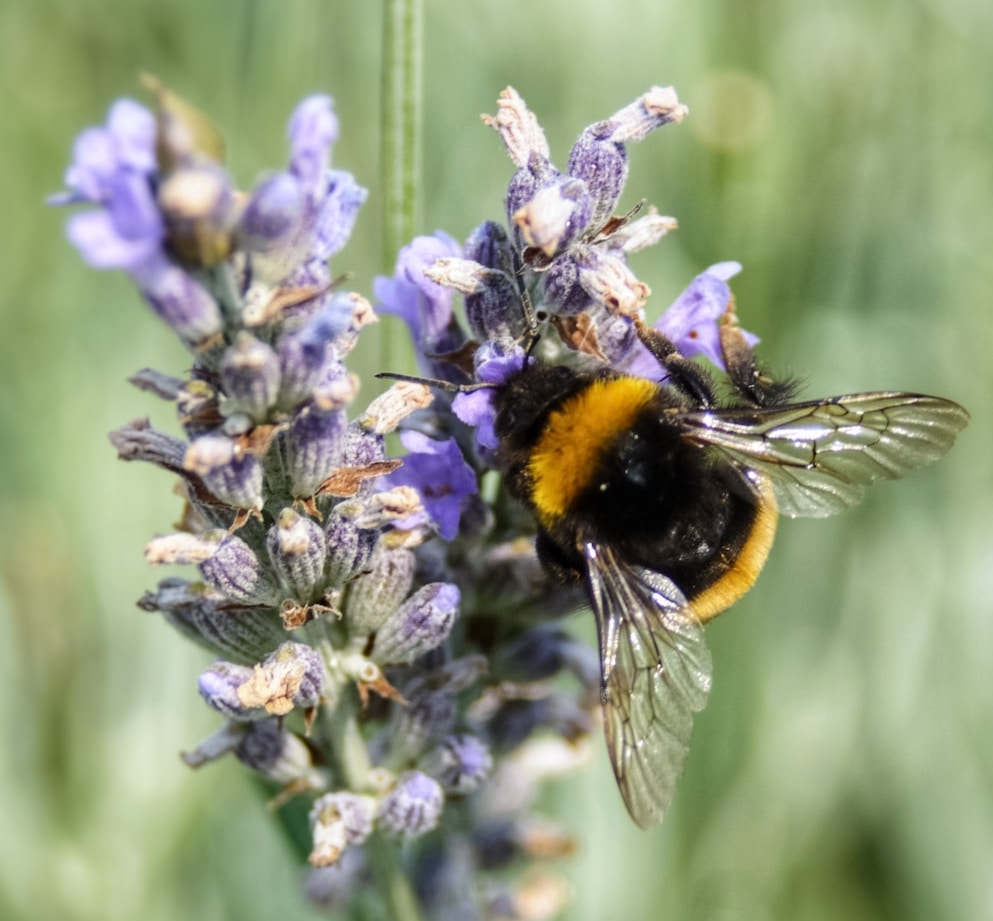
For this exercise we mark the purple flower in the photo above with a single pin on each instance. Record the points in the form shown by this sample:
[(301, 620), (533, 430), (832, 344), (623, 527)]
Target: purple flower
[(342, 198), (112, 167), (693, 321), (437, 470), (460, 763), (424, 305), (413, 807), (494, 365), (299, 218), (125, 145), (313, 130)]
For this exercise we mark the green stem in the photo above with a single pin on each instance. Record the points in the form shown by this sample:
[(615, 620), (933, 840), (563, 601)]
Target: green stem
[(391, 879), (403, 42), (352, 758)]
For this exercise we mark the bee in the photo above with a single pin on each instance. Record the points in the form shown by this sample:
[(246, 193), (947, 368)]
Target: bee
[(662, 499)]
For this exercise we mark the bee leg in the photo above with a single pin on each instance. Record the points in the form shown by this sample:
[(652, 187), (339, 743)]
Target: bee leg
[(683, 373), (562, 567), (754, 384)]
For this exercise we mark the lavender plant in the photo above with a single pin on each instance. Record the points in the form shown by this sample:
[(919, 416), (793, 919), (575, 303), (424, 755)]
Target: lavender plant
[(387, 647)]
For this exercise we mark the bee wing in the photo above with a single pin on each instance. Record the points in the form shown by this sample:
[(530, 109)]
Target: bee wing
[(821, 455), (655, 676)]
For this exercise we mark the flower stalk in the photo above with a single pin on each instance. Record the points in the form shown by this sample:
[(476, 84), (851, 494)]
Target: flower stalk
[(403, 121)]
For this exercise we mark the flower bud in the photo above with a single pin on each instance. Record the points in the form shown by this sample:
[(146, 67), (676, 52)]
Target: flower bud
[(361, 447), (646, 231), (376, 594), (561, 292), (609, 281), (232, 474), (493, 306), (338, 820), (198, 408), (381, 509), (555, 216), (489, 245), (331, 888), (276, 754), (602, 165), (420, 624), (205, 617), (518, 718), (198, 206), (178, 299), (292, 676), (164, 386), (349, 548), (185, 135), (306, 356), (428, 717), (542, 653), (460, 764), (250, 377), (236, 571), (273, 214), (305, 660), (413, 807), (313, 445), (219, 684), (222, 742), (343, 198), (179, 549), (519, 129), (390, 408), (298, 549)]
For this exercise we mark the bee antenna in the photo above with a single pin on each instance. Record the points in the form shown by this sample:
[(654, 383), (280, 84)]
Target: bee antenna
[(533, 332), (434, 382)]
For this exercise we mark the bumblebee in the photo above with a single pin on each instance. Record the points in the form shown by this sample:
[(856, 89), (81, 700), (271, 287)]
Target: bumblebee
[(662, 498)]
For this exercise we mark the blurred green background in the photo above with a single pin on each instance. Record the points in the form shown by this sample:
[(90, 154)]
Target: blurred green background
[(842, 151)]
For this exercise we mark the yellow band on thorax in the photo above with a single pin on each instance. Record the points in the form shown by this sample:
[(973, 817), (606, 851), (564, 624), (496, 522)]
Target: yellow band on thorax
[(565, 458)]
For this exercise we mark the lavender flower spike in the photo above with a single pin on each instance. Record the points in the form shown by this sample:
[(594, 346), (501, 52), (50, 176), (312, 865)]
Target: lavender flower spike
[(423, 669)]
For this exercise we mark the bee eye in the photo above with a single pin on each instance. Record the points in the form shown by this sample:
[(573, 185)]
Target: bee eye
[(506, 419)]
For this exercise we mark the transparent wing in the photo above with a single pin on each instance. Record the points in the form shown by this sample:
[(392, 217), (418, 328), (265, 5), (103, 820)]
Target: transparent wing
[(821, 455), (655, 676)]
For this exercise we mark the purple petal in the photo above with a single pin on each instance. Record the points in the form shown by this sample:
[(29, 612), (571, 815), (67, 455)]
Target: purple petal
[(102, 246), (133, 129), (344, 197), (424, 305), (313, 129), (437, 470)]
